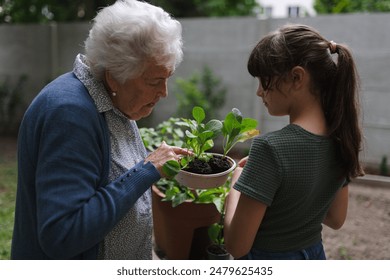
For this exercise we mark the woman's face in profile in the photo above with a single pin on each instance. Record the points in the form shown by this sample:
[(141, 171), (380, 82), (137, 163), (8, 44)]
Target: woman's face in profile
[(137, 97)]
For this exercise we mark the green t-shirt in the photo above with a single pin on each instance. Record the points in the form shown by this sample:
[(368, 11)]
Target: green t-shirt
[(296, 174)]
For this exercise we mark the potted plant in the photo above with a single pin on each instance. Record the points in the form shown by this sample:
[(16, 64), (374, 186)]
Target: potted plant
[(181, 216), (183, 213), (216, 250), (203, 170)]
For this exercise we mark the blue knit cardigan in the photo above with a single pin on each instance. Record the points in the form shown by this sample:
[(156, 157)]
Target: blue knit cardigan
[(65, 204)]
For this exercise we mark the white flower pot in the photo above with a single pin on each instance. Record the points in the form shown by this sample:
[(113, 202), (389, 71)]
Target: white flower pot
[(205, 181)]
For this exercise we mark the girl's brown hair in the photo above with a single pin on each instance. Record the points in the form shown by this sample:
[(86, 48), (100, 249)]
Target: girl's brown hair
[(334, 79)]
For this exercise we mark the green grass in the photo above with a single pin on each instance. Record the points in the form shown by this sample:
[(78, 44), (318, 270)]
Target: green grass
[(8, 178), (343, 252)]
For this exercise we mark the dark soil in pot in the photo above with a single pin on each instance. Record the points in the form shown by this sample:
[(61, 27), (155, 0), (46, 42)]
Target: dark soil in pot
[(216, 164), (217, 252)]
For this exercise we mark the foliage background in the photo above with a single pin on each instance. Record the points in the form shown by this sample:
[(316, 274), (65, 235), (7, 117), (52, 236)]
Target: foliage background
[(43, 11), (350, 6)]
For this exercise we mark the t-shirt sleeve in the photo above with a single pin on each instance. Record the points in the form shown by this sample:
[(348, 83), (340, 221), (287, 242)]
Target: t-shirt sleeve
[(261, 176)]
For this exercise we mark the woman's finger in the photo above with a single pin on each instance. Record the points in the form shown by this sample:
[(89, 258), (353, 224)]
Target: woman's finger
[(181, 151)]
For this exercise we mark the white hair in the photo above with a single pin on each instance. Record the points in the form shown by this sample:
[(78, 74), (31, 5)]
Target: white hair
[(128, 34)]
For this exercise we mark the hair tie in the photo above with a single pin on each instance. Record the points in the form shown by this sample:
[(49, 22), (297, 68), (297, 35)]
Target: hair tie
[(332, 47)]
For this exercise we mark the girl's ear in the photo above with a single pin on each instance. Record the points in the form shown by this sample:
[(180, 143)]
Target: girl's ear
[(299, 76), (111, 82)]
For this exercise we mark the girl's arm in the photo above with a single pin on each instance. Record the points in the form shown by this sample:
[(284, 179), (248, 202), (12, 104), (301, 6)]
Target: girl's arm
[(242, 220), (337, 212)]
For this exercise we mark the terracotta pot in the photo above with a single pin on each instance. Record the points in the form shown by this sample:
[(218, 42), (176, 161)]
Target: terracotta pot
[(205, 181), (180, 232)]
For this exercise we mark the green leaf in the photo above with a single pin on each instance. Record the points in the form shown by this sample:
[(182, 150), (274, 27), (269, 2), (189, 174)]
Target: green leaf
[(171, 168), (230, 123), (179, 199), (178, 143), (215, 233), (237, 129), (175, 193), (171, 192), (215, 126), (237, 114), (205, 135), (182, 123), (178, 132), (184, 161), (248, 124), (235, 132), (247, 135), (207, 196), (219, 204), (190, 135), (208, 145), (215, 196), (198, 114)]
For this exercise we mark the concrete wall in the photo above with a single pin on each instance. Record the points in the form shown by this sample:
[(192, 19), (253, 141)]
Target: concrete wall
[(43, 52)]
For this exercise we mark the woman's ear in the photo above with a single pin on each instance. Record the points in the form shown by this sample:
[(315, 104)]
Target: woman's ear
[(110, 81)]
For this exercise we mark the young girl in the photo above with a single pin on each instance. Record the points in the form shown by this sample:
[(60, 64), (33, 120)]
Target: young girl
[(296, 179)]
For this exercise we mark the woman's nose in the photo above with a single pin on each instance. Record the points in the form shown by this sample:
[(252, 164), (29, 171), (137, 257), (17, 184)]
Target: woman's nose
[(163, 92)]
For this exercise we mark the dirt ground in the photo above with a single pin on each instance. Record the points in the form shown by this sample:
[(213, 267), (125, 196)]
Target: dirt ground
[(365, 234)]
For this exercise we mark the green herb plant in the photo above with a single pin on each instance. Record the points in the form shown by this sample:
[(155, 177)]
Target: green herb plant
[(172, 132), (198, 137), (237, 129), (215, 231)]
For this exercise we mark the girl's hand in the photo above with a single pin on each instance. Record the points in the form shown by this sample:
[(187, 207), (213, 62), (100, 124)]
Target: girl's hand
[(242, 162), (165, 153)]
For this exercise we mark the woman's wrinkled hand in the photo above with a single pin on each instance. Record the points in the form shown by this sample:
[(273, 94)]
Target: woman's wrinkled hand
[(165, 153)]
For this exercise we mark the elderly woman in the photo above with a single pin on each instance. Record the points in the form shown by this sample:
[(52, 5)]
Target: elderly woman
[(84, 175)]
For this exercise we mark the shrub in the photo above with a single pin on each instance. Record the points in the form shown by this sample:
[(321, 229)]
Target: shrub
[(11, 105), (204, 90)]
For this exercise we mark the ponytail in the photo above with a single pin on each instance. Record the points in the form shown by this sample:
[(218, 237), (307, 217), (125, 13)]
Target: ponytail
[(341, 106)]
